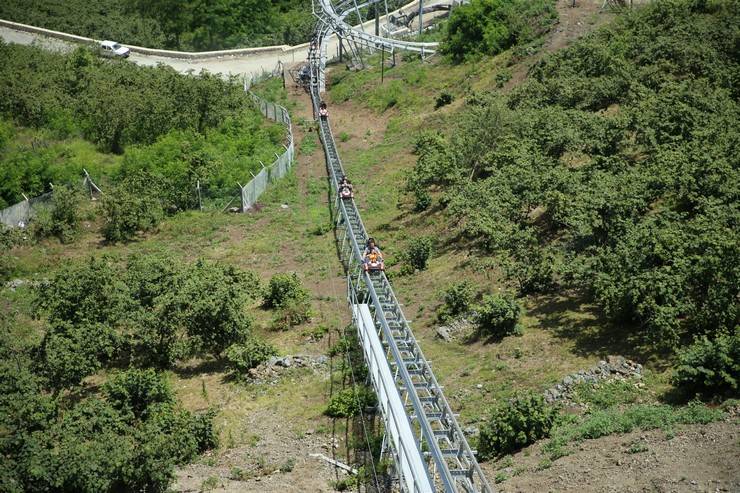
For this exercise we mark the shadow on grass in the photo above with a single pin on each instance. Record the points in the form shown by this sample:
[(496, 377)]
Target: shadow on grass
[(209, 365), (571, 318)]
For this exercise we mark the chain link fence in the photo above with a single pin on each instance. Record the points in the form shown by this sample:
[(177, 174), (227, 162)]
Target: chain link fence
[(18, 215), (283, 162)]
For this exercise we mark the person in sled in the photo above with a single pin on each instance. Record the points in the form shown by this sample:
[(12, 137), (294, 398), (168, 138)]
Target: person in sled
[(323, 112), (346, 190), (372, 259)]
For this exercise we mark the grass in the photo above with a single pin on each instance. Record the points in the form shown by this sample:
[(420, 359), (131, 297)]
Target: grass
[(562, 334), (275, 239), (617, 420)]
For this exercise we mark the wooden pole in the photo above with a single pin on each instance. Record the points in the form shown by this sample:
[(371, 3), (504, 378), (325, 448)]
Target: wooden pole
[(382, 64)]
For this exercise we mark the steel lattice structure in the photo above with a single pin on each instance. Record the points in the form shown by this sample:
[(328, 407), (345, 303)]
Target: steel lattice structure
[(429, 448)]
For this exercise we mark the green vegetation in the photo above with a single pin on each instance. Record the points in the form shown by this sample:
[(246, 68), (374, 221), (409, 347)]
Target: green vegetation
[(418, 252), (182, 25), (456, 300), (284, 289), (498, 316), (350, 402), (150, 311), (62, 218), (515, 424), (181, 129), (614, 419), (243, 357), (710, 366), (611, 170), (490, 26), (129, 436)]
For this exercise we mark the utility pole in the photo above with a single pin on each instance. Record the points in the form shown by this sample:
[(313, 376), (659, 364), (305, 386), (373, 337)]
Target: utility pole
[(377, 19), (421, 13), (382, 64)]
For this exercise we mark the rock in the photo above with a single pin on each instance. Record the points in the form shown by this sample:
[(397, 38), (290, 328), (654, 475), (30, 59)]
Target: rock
[(322, 360), (443, 332), (479, 386), (283, 206), (471, 431), (568, 381)]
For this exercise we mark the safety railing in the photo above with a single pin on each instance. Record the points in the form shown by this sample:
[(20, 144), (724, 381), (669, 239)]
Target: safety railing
[(450, 464)]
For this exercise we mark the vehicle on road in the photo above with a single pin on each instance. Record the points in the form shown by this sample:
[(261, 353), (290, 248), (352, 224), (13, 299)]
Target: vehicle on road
[(114, 50)]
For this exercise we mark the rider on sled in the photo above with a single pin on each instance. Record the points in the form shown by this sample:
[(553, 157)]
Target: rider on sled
[(372, 259), (323, 112), (346, 190)]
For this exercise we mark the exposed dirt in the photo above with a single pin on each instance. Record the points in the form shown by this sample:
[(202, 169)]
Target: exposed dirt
[(283, 422), (573, 22), (704, 458)]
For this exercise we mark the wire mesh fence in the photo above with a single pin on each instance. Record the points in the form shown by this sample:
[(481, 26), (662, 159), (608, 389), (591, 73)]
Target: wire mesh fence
[(18, 215), (283, 162)]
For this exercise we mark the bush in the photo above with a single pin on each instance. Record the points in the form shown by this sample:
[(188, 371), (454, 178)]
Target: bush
[(61, 218), (203, 432), (69, 353), (254, 352), (443, 99), (710, 367), (284, 289), (292, 313), (491, 26), (498, 316), (418, 252), (515, 424), (130, 207), (349, 402), (208, 301), (456, 300), (136, 390)]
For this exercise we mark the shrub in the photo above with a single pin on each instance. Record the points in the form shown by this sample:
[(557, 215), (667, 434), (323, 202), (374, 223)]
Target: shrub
[(491, 26), (61, 218), (254, 352), (283, 289), (443, 99), (203, 432), (418, 252), (208, 302), (130, 207), (710, 367), (515, 424), (456, 300), (498, 315), (350, 402), (135, 390), (291, 314), (70, 352)]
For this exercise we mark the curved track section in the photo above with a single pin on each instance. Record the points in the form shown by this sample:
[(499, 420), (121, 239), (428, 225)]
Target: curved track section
[(329, 15), (438, 442)]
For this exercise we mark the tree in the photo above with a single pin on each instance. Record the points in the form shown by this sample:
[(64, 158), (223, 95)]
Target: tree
[(86, 291), (210, 305), (132, 206), (61, 218)]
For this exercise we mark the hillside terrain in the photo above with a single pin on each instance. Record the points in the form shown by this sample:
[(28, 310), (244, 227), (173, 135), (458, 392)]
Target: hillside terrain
[(198, 25), (556, 198)]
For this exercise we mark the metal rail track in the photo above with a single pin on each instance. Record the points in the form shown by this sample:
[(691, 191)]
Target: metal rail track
[(450, 464)]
